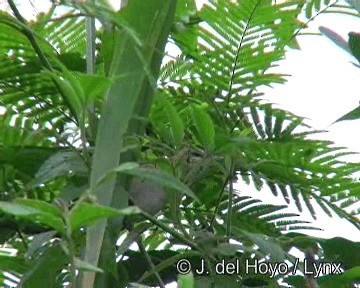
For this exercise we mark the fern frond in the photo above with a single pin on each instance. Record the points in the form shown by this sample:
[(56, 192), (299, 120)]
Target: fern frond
[(313, 8), (24, 87), (235, 55), (67, 35), (251, 214), (174, 69)]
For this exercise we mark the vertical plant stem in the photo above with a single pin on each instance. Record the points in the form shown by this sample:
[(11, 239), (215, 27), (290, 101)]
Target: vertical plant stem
[(71, 250), (72, 263), (149, 261), (129, 72), (90, 44), (230, 201), (90, 67)]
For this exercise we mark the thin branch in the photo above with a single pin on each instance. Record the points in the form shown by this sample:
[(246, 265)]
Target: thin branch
[(64, 17), (172, 232), (238, 53), (304, 25), (219, 201), (149, 261), (230, 201), (23, 240)]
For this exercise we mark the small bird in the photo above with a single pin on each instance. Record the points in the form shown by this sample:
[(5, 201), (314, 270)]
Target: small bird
[(148, 196), (354, 44)]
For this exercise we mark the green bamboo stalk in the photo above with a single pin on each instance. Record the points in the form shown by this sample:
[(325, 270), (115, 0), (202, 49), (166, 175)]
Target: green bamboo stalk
[(132, 68), (90, 67)]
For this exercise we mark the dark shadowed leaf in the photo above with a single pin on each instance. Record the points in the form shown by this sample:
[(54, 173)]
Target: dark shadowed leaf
[(267, 245), (158, 176), (44, 269), (63, 163)]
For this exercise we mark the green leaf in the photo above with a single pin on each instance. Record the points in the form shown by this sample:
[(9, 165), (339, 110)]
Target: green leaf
[(185, 9), (45, 269), (348, 255), (42, 206), (86, 213), (167, 113), (31, 158), (16, 210), (122, 168), (268, 245), (35, 211), (70, 90), (346, 279), (204, 126), (352, 115), (160, 177), (224, 281), (73, 61), (62, 163), (82, 265), (186, 281), (184, 29), (204, 282), (38, 242), (296, 281), (12, 264), (94, 86), (354, 44), (228, 249)]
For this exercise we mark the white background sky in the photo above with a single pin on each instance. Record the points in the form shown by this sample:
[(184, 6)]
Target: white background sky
[(324, 86)]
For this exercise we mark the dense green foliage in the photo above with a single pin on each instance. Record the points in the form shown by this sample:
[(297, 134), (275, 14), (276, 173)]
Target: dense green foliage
[(72, 140)]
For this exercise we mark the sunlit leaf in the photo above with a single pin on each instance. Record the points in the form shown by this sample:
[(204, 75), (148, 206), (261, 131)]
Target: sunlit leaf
[(35, 211), (186, 280), (204, 126), (84, 214)]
